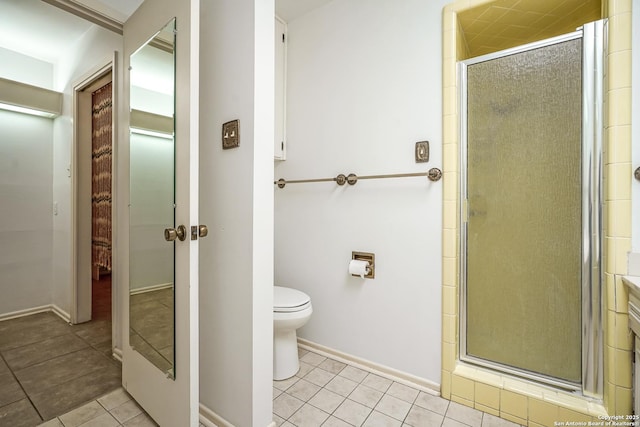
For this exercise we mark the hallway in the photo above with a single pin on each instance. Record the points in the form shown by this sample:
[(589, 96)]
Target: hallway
[(48, 367)]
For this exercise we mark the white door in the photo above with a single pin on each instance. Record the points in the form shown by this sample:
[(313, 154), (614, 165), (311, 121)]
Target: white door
[(161, 231)]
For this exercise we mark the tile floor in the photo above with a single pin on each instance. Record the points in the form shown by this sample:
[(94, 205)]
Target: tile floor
[(114, 409), (48, 367), (325, 392), (64, 375), (152, 326), (329, 393)]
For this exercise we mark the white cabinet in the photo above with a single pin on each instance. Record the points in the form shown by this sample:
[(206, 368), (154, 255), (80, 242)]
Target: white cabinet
[(279, 143), (636, 382), (633, 283)]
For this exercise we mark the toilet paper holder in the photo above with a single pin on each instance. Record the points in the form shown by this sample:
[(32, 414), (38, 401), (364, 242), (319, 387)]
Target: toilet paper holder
[(368, 257)]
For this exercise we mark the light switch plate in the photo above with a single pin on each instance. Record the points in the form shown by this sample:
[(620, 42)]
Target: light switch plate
[(422, 151), (231, 134)]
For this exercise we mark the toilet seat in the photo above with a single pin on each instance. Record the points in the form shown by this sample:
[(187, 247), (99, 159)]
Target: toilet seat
[(288, 300)]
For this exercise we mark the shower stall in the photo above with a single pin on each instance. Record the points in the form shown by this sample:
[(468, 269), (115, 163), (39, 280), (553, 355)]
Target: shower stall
[(531, 216)]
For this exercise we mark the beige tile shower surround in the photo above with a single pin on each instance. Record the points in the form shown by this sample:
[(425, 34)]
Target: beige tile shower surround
[(509, 398)]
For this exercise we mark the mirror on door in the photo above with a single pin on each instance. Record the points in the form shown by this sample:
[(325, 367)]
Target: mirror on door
[(152, 169)]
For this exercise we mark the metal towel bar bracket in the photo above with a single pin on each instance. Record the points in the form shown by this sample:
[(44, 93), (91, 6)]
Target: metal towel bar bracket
[(434, 174)]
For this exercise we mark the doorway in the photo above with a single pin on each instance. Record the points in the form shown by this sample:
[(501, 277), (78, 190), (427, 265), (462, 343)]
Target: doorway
[(92, 183), (531, 218)]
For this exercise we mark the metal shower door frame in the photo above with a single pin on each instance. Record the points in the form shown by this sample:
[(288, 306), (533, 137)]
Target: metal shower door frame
[(594, 44)]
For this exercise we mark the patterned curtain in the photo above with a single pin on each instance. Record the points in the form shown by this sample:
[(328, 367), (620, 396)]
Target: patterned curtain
[(101, 155)]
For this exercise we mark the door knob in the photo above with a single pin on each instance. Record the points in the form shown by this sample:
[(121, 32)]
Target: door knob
[(198, 231), (170, 234)]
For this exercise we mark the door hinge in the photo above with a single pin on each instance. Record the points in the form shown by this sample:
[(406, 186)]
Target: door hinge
[(282, 145), (282, 37)]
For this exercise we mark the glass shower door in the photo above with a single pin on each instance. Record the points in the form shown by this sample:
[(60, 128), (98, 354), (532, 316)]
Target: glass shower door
[(524, 217)]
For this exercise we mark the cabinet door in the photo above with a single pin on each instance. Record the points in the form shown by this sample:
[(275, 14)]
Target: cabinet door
[(636, 375), (279, 147)]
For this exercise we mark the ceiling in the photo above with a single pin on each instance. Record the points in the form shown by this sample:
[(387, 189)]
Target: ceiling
[(118, 10), (38, 29), (288, 10), (502, 24)]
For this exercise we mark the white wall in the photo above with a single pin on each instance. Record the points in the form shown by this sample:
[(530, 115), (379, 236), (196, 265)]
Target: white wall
[(151, 101), (26, 194), (26, 227), (81, 56), (93, 50), (364, 84), (635, 128), (151, 198), (152, 192), (25, 69), (236, 202)]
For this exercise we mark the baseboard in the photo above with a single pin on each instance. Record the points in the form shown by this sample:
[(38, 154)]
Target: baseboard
[(376, 368), (35, 310), (211, 419), (150, 288), (117, 354), (61, 313), (208, 418)]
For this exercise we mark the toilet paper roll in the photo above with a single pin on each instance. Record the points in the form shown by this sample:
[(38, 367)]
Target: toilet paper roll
[(358, 267)]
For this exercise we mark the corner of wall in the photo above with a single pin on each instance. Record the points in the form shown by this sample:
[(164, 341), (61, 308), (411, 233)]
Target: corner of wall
[(236, 203), (617, 353), (450, 197)]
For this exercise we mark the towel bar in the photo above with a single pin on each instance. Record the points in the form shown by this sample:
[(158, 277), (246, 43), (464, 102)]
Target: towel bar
[(434, 174)]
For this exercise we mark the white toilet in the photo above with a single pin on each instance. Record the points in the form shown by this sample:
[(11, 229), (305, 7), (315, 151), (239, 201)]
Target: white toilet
[(291, 310)]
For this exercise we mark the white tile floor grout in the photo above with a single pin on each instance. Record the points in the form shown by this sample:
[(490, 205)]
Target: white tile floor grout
[(325, 392), (329, 393), (112, 410)]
